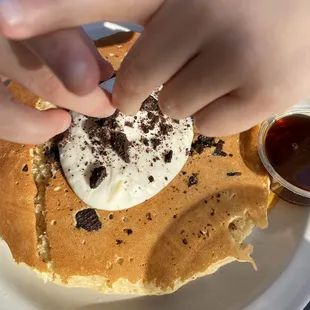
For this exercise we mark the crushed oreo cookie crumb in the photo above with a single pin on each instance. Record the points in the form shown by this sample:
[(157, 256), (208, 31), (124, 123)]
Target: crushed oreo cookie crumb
[(185, 241), (233, 174), (120, 145), (148, 216), (118, 241), (192, 180), (129, 124), (97, 176), (168, 156), (219, 149), (165, 128), (150, 104), (145, 141), (155, 143), (88, 219), (201, 143), (111, 216), (151, 178), (25, 168)]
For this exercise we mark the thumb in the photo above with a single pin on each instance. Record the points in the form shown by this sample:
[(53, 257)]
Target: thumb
[(23, 19), (23, 124)]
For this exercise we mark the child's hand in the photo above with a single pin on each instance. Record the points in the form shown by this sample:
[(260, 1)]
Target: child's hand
[(24, 124), (231, 64)]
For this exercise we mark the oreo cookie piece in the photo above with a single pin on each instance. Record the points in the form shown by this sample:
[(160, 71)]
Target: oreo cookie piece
[(201, 143), (219, 149), (168, 156), (233, 174), (97, 176), (88, 219), (192, 180), (120, 145)]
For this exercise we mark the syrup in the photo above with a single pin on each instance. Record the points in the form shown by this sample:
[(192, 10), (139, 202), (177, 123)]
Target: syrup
[(287, 147)]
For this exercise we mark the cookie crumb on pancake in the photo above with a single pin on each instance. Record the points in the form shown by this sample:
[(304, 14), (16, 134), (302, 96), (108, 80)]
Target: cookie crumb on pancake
[(233, 174), (88, 219), (192, 180), (168, 156)]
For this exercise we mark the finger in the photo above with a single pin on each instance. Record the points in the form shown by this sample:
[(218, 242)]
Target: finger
[(231, 114), (21, 19), (66, 53), (215, 72), (3, 78), (105, 68), (23, 124), (155, 57), (22, 66)]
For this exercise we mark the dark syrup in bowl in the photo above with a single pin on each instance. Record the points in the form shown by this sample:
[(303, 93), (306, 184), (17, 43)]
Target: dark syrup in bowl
[(287, 147)]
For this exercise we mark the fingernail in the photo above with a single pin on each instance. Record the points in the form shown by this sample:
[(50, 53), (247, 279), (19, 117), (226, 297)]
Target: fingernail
[(10, 12), (66, 124)]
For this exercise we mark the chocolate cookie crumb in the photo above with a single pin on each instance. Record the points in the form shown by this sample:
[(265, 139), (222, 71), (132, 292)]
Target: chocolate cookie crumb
[(155, 143), (119, 241), (145, 141), (88, 219), (219, 149), (150, 104), (128, 231), (165, 128), (185, 241), (175, 216), (233, 174), (168, 156), (192, 180), (201, 143), (111, 216), (25, 168), (120, 145), (129, 124), (148, 216), (151, 178), (97, 176)]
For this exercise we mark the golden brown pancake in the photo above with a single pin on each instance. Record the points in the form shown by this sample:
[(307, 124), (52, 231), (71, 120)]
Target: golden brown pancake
[(191, 228)]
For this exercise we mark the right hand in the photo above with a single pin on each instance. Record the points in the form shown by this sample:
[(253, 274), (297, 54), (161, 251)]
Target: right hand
[(24, 124)]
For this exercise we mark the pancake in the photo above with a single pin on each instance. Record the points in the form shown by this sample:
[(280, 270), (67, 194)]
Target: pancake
[(195, 225)]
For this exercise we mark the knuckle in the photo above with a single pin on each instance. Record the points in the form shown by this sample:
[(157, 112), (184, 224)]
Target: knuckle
[(172, 107), (46, 85)]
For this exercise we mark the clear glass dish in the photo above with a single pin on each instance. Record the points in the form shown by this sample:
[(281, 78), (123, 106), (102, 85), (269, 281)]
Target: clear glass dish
[(279, 185)]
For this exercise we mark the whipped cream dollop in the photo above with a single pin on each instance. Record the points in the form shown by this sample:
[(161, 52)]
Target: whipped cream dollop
[(120, 161)]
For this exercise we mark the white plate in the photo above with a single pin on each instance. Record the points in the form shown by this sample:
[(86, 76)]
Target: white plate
[(282, 254)]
